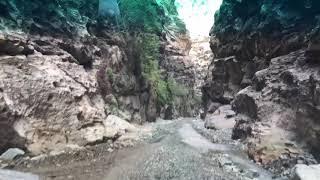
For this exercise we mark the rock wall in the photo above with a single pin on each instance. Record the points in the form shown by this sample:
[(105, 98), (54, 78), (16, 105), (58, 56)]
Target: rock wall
[(69, 80), (254, 33), (273, 91), (264, 29)]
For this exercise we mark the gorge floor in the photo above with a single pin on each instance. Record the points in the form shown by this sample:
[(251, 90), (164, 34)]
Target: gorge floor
[(180, 149)]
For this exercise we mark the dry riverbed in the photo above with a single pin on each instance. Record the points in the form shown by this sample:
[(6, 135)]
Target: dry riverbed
[(180, 149)]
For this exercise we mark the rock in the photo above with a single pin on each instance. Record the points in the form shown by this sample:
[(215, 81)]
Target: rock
[(245, 102), (218, 122), (83, 54), (14, 175), (225, 161), (179, 69), (242, 128), (14, 44), (95, 133), (112, 128), (12, 153), (279, 63), (230, 114), (224, 81), (305, 172), (114, 124), (220, 119), (213, 107), (65, 74), (151, 109), (261, 37), (312, 53)]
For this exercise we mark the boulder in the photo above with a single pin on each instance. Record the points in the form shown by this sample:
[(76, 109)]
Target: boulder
[(305, 172), (14, 44), (213, 107), (312, 53), (222, 118), (223, 82), (15, 175), (115, 125), (246, 103), (242, 128), (12, 153), (112, 128), (45, 101)]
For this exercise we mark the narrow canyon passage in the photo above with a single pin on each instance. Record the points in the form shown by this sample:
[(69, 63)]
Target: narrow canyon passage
[(171, 150), (159, 90)]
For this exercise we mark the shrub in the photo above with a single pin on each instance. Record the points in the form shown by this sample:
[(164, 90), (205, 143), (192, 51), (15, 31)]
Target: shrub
[(150, 45), (177, 89), (141, 15)]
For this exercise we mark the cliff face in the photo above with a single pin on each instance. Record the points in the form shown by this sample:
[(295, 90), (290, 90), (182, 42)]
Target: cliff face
[(275, 92), (265, 29), (69, 78)]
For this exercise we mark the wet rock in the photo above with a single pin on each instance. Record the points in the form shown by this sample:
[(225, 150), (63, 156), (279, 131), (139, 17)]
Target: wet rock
[(12, 153), (14, 175), (305, 172)]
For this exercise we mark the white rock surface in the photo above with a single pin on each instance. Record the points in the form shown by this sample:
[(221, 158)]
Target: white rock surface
[(305, 172), (14, 175), (222, 118), (12, 153), (52, 100), (114, 124)]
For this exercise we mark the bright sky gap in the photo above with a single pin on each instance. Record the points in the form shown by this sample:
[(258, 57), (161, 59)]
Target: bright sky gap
[(198, 15)]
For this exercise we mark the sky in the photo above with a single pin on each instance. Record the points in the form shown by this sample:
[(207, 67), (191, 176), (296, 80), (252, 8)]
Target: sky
[(198, 15)]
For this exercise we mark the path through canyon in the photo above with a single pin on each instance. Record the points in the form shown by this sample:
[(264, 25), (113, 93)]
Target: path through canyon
[(180, 149)]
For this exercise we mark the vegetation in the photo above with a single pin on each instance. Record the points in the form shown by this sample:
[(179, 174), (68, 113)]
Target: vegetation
[(148, 19), (151, 72), (110, 74), (177, 89), (137, 15)]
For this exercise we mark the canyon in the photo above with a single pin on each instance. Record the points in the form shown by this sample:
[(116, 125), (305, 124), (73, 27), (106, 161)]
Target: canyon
[(85, 94)]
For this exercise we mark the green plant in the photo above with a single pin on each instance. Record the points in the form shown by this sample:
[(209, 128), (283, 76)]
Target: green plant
[(177, 89), (150, 17), (149, 48), (110, 74), (141, 15)]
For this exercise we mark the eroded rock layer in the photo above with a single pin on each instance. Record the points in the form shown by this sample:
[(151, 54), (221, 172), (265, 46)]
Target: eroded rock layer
[(267, 66), (69, 78)]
